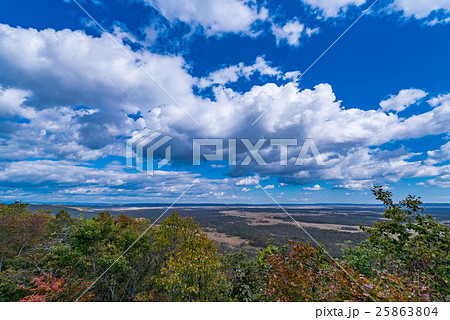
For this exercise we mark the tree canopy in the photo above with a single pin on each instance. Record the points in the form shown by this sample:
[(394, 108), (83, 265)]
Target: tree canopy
[(45, 257)]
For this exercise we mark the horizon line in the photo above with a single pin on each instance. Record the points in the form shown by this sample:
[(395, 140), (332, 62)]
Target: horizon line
[(206, 204)]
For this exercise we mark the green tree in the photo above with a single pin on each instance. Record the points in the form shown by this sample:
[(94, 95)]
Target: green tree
[(96, 244), (406, 243), (193, 270), (245, 276), (174, 261)]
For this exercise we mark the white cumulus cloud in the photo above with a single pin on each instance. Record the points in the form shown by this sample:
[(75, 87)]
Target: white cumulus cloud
[(316, 187), (332, 8), (291, 32), (402, 100), (67, 79), (233, 73), (215, 16), (420, 9)]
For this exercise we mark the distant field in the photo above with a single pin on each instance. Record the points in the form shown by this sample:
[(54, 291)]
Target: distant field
[(250, 228)]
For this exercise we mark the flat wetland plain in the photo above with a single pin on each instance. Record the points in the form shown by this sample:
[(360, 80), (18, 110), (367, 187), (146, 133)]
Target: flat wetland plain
[(250, 228)]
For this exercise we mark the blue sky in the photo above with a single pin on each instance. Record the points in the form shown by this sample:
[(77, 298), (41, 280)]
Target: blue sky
[(377, 104)]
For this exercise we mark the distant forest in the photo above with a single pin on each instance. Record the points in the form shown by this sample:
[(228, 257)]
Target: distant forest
[(57, 257)]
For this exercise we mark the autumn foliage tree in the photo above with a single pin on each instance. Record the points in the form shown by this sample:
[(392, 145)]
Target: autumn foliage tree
[(299, 272), (50, 288), (24, 236), (21, 232)]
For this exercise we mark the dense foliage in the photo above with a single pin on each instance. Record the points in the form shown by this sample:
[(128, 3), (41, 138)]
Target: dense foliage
[(46, 257), (407, 243)]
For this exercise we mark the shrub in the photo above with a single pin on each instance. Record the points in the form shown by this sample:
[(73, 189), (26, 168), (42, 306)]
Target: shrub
[(301, 273), (407, 243)]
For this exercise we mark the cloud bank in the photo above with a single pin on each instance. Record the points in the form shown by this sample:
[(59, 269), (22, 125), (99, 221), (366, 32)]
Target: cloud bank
[(67, 97)]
